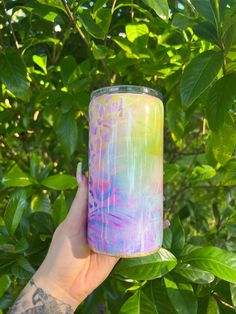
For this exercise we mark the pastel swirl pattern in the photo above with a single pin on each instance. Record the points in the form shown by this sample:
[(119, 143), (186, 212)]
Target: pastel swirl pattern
[(125, 174)]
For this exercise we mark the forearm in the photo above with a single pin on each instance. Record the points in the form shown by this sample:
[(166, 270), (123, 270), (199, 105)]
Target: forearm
[(34, 299)]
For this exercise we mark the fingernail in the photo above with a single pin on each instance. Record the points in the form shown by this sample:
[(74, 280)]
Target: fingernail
[(79, 175), (166, 224)]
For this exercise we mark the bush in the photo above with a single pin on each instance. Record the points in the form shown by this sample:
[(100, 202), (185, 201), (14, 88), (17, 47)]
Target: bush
[(53, 54)]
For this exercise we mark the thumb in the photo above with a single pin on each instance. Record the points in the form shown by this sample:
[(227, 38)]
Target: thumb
[(77, 216)]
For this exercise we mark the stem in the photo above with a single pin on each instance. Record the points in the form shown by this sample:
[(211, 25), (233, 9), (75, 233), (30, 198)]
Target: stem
[(73, 21), (10, 24), (113, 6)]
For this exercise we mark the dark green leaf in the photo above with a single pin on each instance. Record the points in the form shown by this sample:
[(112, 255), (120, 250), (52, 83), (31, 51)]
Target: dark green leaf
[(22, 269), (67, 132), (181, 296), (13, 74), (68, 65), (160, 7), (41, 222), (60, 182), (178, 236), (220, 100), (214, 260), (199, 74), (41, 202), (53, 3), (17, 177), (156, 291), (148, 267), (206, 31), (207, 9), (14, 211)]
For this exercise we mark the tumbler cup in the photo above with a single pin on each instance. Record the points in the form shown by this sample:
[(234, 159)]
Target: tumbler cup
[(125, 171)]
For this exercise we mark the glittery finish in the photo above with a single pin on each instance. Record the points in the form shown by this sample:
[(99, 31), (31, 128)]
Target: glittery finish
[(125, 174)]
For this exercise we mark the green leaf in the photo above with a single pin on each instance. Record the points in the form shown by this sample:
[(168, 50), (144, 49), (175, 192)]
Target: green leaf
[(207, 9), (223, 143), (206, 31), (68, 65), (146, 305), (203, 172), (41, 61), (181, 296), (160, 7), (137, 34), (41, 202), (175, 118), (194, 274), (22, 269), (98, 26), (17, 177), (229, 177), (199, 74), (53, 3), (233, 294), (131, 305), (67, 132), (156, 291), (60, 182), (212, 307), (59, 210), (14, 211), (147, 267), (219, 262), (170, 171), (41, 222), (13, 74), (178, 236), (5, 283), (220, 100), (41, 10)]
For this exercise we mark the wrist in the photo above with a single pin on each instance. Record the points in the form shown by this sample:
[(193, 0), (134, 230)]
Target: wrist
[(56, 290)]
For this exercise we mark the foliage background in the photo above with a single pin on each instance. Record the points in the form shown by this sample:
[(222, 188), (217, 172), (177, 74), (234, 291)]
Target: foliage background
[(52, 55)]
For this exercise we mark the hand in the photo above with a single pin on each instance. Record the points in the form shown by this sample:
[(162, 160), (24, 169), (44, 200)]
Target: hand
[(71, 271)]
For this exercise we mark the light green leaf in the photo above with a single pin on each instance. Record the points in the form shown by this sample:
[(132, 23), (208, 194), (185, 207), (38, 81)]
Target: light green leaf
[(53, 3), (5, 283), (181, 296), (160, 7), (40, 202), (44, 11), (60, 182), (41, 61), (13, 74), (59, 210), (199, 74), (194, 274), (14, 211), (223, 143), (131, 305), (207, 9), (233, 294), (97, 26), (203, 172), (67, 132), (17, 177), (220, 100), (229, 177), (219, 262), (137, 34), (147, 267), (212, 307)]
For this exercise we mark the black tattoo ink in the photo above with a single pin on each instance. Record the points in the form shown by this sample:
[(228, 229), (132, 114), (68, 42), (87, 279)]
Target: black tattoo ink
[(41, 303)]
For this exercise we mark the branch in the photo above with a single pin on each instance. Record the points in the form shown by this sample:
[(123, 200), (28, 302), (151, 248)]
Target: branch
[(73, 21), (10, 24)]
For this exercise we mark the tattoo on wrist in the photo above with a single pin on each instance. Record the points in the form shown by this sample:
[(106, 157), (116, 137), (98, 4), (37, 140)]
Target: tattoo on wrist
[(40, 303)]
